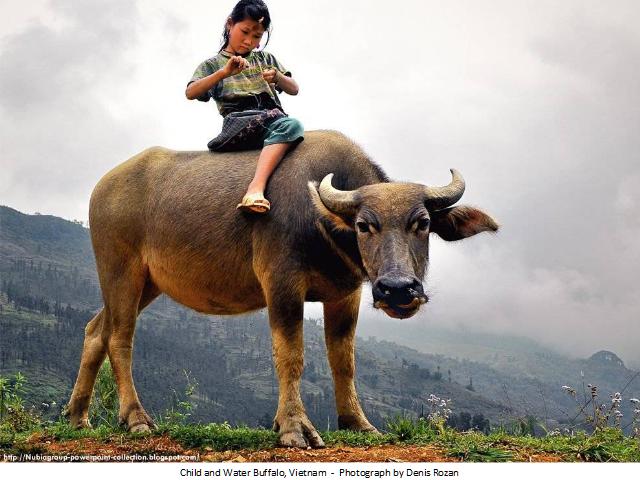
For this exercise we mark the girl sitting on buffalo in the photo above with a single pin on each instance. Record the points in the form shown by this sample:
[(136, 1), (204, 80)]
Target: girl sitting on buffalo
[(244, 82)]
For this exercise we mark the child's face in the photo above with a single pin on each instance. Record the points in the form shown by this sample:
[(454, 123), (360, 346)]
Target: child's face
[(244, 36)]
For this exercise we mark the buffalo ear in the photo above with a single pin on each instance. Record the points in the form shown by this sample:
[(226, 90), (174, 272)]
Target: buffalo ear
[(456, 223)]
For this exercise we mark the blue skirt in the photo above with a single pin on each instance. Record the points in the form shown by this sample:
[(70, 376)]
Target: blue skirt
[(254, 129)]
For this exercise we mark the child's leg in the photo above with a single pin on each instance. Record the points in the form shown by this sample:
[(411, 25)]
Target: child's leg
[(281, 135), (269, 158)]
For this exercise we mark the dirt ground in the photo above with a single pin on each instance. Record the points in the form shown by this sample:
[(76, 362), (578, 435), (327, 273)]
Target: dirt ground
[(164, 446)]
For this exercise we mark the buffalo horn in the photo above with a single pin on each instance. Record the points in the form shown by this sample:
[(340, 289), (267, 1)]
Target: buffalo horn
[(437, 198), (338, 201)]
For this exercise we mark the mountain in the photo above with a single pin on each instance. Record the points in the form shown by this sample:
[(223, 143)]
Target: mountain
[(518, 371), (49, 290), (48, 256)]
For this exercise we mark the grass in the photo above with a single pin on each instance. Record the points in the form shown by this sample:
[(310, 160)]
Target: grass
[(348, 438), (221, 437), (608, 445)]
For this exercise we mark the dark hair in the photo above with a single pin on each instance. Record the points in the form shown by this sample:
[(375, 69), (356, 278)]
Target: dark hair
[(244, 9)]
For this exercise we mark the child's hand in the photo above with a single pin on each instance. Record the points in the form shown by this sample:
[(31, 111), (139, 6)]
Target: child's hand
[(270, 76), (235, 65)]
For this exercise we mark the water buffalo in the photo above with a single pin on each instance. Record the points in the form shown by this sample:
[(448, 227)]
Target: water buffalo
[(165, 222)]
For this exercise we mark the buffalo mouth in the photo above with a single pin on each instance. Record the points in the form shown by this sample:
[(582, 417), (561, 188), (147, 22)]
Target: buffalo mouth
[(401, 311)]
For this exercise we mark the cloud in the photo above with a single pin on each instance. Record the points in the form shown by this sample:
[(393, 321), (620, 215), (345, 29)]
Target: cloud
[(53, 119), (65, 115), (536, 103)]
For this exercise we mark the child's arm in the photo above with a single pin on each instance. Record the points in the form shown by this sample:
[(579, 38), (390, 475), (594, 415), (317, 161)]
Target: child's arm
[(200, 87), (287, 84)]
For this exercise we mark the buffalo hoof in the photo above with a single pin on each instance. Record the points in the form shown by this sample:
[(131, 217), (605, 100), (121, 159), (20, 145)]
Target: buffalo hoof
[(80, 423), (298, 433), (370, 429), (293, 439), (75, 419), (140, 428), (350, 422), (137, 421)]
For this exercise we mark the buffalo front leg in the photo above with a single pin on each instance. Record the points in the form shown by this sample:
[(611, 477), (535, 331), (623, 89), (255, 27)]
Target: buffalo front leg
[(340, 320), (291, 421)]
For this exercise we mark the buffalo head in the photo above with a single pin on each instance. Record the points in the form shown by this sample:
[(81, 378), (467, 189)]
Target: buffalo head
[(392, 222)]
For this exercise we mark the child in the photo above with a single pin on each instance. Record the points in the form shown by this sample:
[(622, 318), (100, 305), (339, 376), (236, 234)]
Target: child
[(243, 81)]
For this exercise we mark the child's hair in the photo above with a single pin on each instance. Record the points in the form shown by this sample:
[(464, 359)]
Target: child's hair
[(254, 9)]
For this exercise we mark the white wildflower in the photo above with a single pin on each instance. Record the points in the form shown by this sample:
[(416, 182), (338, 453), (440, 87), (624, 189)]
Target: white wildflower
[(616, 399)]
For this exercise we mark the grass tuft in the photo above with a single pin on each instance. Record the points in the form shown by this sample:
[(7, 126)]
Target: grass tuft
[(404, 429), (221, 436), (355, 439)]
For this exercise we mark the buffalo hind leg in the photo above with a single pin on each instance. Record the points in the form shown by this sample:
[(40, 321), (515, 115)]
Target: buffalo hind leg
[(291, 421), (340, 320), (93, 354)]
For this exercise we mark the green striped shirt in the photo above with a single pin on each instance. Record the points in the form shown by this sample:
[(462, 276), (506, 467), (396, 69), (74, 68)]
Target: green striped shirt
[(234, 92)]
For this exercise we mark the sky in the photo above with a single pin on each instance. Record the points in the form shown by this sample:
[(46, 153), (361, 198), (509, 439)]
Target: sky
[(537, 103)]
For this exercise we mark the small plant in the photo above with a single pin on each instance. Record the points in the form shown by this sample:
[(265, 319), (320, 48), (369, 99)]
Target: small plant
[(182, 405), (14, 416), (402, 427), (439, 411), (635, 421), (523, 426), (405, 428), (600, 416), (104, 405)]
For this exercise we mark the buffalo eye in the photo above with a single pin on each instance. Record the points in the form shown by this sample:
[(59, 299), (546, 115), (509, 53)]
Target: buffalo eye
[(423, 224), (363, 227)]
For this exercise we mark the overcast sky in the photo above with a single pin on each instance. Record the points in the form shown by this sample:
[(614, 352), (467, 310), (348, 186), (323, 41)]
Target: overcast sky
[(537, 103)]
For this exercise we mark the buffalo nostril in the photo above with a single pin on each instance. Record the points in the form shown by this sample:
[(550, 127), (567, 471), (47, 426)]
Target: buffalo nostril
[(398, 290), (416, 287)]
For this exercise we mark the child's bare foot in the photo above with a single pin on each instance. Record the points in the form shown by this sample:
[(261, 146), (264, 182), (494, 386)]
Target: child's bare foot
[(255, 203)]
